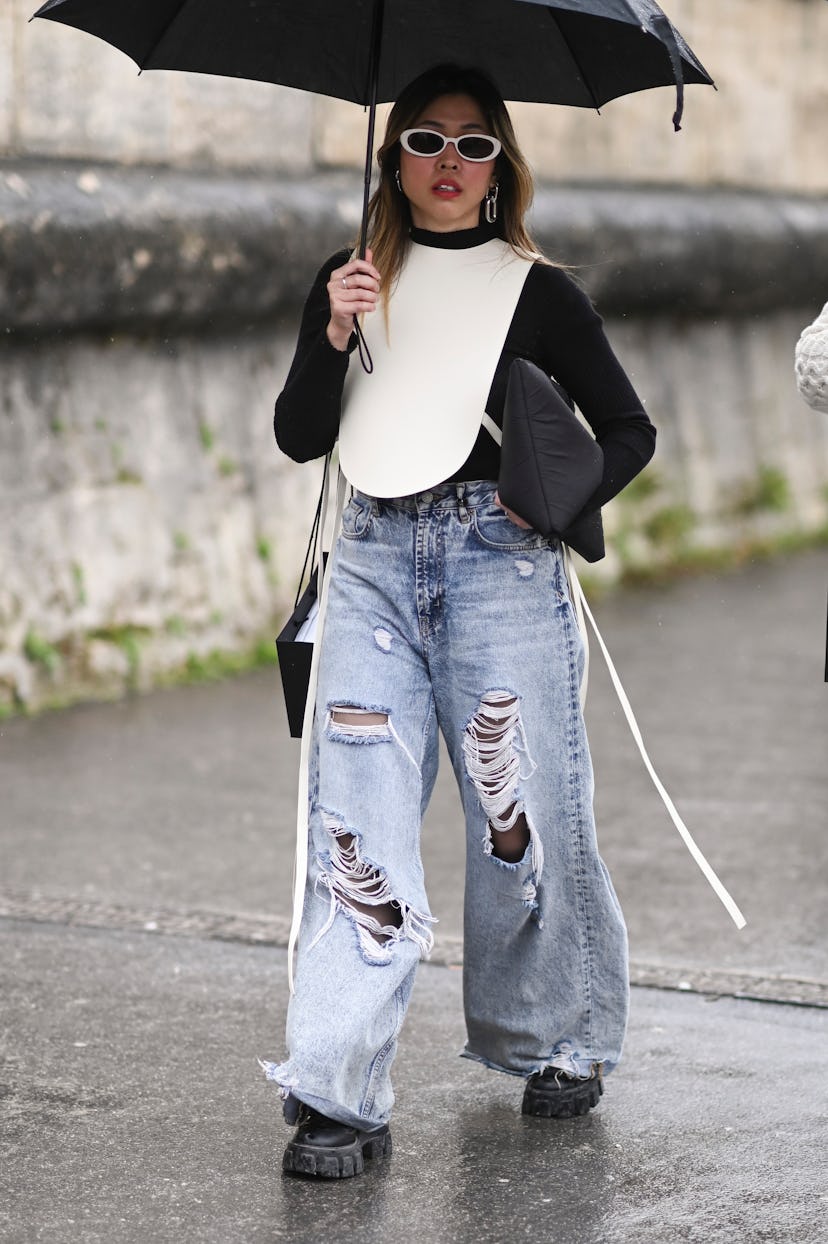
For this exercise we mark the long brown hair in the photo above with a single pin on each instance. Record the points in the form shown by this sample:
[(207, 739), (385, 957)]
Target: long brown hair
[(389, 215)]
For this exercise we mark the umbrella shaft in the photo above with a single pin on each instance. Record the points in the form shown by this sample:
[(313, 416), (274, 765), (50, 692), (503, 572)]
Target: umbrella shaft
[(373, 71)]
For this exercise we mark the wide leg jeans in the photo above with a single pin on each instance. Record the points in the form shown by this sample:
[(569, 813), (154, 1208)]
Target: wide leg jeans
[(445, 616)]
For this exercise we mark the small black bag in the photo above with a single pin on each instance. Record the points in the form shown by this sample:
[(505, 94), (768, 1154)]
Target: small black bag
[(550, 465), (295, 658), (296, 655)]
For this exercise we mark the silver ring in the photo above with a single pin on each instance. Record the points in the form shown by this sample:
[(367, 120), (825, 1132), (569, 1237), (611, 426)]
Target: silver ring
[(345, 281)]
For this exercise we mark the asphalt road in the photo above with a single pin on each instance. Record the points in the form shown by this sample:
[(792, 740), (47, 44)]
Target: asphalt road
[(145, 860)]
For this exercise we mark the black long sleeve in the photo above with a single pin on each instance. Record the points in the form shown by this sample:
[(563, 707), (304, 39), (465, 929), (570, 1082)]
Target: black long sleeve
[(554, 325), (306, 419)]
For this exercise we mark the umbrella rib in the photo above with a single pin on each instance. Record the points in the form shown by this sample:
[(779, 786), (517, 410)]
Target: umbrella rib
[(576, 62), (171, 22)]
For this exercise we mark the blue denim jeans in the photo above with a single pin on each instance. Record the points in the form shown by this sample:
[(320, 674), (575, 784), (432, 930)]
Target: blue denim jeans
[(444, 615)]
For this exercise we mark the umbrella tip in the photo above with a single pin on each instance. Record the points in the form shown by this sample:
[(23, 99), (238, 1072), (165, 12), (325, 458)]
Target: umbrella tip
[(679, 112)]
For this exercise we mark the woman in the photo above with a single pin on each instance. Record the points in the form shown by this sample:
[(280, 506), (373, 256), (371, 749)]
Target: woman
[(445, 612)]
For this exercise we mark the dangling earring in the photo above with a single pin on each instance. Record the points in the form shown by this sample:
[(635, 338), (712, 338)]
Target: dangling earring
[(397, 180), (491, 203)]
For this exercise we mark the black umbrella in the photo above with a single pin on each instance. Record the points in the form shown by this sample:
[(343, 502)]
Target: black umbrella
[(577, 52)]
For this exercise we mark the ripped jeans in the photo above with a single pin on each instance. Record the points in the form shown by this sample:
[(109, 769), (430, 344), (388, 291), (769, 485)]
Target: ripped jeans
[(444, 615)]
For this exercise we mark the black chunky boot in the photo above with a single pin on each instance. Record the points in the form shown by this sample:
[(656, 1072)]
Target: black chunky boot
[(331, 1150), (553, 1094)]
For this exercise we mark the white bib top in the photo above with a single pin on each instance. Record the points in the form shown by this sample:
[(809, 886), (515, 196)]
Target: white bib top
[(413, 421)]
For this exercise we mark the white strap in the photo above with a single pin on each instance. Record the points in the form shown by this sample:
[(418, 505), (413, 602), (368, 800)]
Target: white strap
[(300, 867), (578, 595), (581, 607), (492, 428)]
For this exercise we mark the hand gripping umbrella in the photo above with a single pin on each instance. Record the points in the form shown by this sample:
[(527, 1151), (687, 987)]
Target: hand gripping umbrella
[(577, 52)]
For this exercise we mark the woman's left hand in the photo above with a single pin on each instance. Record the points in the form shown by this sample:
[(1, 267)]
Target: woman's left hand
[(511, 515)]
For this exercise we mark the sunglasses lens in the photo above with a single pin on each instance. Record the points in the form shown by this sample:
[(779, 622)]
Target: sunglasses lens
[(476, 147), (430, 143), (423, 142)]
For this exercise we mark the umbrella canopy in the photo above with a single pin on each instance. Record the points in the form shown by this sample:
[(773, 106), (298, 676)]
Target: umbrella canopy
[(577, 52)]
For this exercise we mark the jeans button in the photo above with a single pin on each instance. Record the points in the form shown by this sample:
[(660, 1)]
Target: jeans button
[(427, 497)]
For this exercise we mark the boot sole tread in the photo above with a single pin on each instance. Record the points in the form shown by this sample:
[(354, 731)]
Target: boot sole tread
[(341, 1162), (562, 1103)]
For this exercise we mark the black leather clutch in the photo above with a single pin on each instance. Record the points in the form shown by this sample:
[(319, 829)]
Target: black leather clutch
[(550, 465)]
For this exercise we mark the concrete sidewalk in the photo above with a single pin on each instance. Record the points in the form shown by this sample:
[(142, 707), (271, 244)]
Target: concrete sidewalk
[(144, 888)]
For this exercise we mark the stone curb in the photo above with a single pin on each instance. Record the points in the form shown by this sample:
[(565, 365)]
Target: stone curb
[(266, 930), (105, 247)]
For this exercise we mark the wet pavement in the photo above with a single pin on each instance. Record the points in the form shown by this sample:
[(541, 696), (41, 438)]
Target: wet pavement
[(145, 862)]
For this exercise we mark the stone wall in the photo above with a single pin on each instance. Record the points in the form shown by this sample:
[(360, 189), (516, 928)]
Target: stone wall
[(66, 95), (147, 520), (157, 236)]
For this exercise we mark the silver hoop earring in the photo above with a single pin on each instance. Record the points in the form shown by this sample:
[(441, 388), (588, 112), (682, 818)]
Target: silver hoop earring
[(491, 203), (397, 180)]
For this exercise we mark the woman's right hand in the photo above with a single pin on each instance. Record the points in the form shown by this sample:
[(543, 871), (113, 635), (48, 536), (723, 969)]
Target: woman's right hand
[(352, 290), (511, 515)]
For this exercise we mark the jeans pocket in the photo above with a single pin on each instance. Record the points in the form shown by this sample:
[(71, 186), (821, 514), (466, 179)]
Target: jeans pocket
[(497, 531), (357, 518)]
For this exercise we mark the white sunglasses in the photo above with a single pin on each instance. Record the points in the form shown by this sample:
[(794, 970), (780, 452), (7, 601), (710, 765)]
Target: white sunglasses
[(474, 147)]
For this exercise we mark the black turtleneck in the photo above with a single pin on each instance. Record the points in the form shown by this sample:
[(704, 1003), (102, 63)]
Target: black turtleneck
[(554, 325), (457, 239)]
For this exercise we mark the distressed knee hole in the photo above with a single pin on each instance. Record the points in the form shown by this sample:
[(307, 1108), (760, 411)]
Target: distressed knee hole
[(352, 877), (361, 718), (494, 744), (352, 723), (362, 891), (492, 747)]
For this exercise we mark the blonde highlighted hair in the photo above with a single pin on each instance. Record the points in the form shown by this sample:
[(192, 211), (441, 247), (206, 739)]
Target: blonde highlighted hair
[(389, 215)]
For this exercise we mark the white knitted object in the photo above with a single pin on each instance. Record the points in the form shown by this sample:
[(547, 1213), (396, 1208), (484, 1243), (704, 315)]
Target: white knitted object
[(811, 362)]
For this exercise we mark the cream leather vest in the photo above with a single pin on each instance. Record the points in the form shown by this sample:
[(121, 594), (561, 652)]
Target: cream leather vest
[(413, 421)]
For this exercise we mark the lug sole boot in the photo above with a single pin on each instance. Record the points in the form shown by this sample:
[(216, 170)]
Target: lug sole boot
[(325, 1149), (552, 1094)]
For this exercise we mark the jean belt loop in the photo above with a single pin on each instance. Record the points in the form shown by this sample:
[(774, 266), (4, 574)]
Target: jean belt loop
[(462, 510)]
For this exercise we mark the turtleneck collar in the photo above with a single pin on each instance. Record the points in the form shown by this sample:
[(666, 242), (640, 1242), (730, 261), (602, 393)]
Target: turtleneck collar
[(457, 240)]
